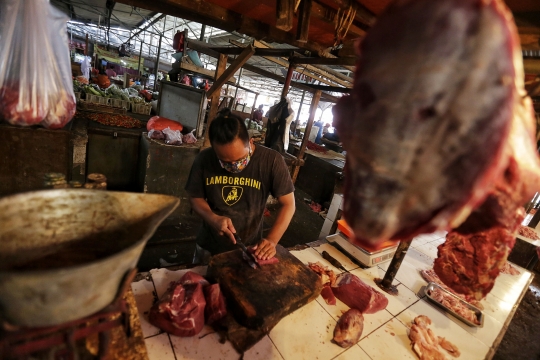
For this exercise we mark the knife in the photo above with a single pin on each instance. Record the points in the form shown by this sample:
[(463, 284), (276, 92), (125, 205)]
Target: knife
[(333, 261), (245, 253)]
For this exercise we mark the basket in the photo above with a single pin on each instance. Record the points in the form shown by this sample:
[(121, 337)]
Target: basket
[(141, 109), (103, 101), (119, 103), (77, 96)]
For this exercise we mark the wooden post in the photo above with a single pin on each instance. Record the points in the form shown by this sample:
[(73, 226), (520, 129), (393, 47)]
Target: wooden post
[(297, 122), (235, 65), (284, 14), (86, 46), (220, 69), (288, 79), (140, 57), (303, 20), (237, 83), (157, 62), (312, 110)]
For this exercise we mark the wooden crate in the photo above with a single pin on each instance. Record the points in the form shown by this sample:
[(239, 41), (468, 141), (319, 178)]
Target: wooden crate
[(86, 106)]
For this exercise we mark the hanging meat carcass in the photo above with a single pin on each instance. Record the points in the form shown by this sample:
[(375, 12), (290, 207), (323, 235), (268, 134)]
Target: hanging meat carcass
[(425, 128)]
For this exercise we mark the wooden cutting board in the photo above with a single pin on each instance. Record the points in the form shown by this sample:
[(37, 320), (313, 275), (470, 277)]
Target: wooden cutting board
[(259, 298)]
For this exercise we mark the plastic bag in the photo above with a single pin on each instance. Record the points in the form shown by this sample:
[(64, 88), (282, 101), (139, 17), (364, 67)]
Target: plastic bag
[(189, 138), (172, 137), (160, 123), (156, 134), (35, 68)]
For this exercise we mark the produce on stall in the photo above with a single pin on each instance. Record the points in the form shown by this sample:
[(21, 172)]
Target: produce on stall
[(32, 91), (115, 120)]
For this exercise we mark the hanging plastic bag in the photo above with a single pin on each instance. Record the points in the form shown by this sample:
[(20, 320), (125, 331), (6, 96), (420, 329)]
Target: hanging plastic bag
[(172, 137), (35, 69), (189, 138)]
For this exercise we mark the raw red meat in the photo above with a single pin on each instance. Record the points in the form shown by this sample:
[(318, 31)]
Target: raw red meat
[(181, 309), (272, 260), (328, 277), (426, 125), (215, 303), (470, 263), (358, 295), (192, 278), (349, 328), (328, 295), (161, 123)]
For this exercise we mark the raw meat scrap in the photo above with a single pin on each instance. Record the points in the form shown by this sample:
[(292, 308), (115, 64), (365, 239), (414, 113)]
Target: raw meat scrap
[(272, 260), (470, 263), (509, 269), (180, 311), (424, 342), (528, 232), (455, 305), (425, 126), (358, 295), (215, 303), (328, 295), (328, 277), (430, 276), (349, 328)]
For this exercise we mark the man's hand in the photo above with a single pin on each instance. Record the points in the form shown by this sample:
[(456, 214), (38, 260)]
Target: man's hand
[(265, 249), (224, 226)]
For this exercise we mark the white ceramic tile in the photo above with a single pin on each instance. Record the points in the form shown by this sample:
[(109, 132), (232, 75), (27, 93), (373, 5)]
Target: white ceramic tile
[(264, 349), (310, 255), (396, 303), (445, 325), (143, 291), (355, 352), (418, 259), (159, 347), (428, 249), (496, 308), (438, 242), (486, 334), (421, 240), (306, 334), (163, 277), (409, 276), (507, 293), (390, 341), (338, 255)]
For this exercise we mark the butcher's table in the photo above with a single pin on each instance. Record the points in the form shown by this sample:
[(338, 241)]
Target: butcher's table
[(307, 332)]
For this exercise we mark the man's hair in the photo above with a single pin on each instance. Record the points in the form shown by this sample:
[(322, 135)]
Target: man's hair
[(226, 127)]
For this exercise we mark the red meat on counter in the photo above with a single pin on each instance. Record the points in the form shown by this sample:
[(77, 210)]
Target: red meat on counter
[(181, 309), (349, 328), (215, 303), (358, 295)]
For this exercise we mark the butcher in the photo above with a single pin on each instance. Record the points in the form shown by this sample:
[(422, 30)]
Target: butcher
[(228, 186)]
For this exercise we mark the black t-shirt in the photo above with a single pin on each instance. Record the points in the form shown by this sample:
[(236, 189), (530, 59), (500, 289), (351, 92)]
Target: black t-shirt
[(241, 196)]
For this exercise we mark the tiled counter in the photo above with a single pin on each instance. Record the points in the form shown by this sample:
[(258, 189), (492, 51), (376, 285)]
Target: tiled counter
[(307, 333)]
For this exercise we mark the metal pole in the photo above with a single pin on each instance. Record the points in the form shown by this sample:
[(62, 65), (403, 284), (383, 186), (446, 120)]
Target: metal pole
[(203, 28), (158, 54), (297, 122), (386, 282), (140, 58), (288, 80)]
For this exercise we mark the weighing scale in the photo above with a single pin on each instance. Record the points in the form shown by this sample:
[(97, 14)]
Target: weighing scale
[(363, 255)]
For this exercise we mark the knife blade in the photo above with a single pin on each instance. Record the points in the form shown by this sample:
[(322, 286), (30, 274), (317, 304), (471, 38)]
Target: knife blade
[(245, 253), (333, 261)]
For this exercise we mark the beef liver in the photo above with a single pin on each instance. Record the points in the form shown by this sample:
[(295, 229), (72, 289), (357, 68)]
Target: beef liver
[(349, 328), (358, 295)]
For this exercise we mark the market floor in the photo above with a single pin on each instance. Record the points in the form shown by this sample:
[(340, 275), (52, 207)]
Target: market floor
[(521, 339)]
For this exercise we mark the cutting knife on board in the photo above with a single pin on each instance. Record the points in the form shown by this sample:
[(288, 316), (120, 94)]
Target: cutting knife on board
[(249, 257)]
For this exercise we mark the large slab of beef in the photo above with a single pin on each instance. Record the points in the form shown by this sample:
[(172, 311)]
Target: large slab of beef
[(180, 311), (215, 304), (427, 123), (474, 253), (356, 294)]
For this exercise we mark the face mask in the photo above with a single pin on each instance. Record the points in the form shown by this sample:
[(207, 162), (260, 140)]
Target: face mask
[(236, 166)]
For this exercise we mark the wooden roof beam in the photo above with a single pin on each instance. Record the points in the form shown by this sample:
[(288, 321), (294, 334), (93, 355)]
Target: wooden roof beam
[(217, 16), (343, 61), (235, 65)]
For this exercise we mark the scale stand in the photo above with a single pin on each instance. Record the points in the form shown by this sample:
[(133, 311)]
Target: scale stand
[(386, 283)]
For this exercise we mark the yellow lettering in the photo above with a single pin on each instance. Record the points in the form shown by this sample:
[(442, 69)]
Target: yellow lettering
[(224, 180), (241, 181), (258, 185), (249, 182), (211, 181), (218, 180), (230, 180), (236, 181), (207, 181)]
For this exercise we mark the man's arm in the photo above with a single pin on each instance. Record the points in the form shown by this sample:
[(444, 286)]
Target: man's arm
[(267, 247), (222, 224)]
